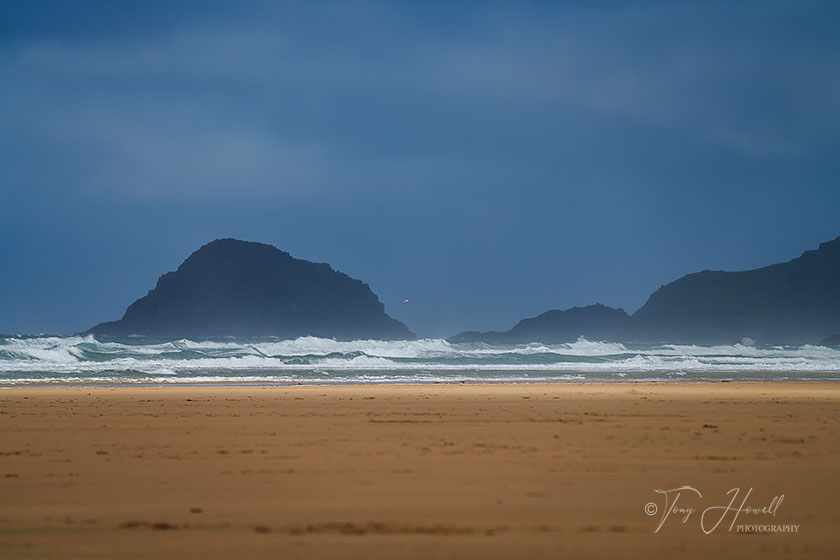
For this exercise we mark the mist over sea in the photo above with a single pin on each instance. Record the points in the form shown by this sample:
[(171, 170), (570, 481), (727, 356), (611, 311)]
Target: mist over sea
[(309, 360)]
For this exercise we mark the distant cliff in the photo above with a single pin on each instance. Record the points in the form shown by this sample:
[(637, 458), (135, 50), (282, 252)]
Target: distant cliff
[(795, 302), (237, 288), (833, 340), (596, 322)]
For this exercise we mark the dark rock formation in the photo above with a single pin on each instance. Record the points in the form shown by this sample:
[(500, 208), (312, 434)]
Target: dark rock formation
[(796, 302), (595, 322), (237, 288), (833, 340)]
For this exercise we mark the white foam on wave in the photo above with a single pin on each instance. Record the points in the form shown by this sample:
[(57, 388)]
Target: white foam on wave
[(636, 363), (310, 345), (50, 349), (29, 357), (154, 379), (583, 347), (742, 350)]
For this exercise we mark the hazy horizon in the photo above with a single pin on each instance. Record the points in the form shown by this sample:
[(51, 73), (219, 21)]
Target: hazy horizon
[(488, 163)]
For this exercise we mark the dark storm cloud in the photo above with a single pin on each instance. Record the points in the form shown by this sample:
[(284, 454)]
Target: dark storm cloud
[(255, 106)]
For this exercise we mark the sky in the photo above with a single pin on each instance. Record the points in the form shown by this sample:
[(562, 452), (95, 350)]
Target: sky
[(486, 160)]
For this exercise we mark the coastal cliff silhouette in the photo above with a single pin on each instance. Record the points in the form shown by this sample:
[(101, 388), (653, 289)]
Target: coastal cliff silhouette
[(795, 302), (244, 289)]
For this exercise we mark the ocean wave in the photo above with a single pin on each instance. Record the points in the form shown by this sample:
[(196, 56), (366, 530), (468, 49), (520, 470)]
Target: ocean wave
[(87, 358)]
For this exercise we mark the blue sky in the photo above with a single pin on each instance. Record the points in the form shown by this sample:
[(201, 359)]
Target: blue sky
[(486, 160)]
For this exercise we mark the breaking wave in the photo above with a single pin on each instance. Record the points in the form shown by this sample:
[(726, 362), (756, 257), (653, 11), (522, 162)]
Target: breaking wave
[(80, 360)]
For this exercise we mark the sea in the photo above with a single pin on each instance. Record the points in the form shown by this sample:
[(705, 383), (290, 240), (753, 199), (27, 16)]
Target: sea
[(85, 360)]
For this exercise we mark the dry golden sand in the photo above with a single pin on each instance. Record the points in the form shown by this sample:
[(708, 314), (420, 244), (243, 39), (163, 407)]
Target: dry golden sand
[(414, 471)]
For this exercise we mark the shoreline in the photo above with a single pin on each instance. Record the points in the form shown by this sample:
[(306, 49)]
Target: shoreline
[(499, 470), (321, 383)]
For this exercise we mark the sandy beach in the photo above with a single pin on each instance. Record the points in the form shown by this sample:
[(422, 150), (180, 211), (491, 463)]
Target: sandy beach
[(420, 471)]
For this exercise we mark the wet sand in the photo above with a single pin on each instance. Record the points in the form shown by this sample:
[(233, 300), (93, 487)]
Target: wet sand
[(417, 471)]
